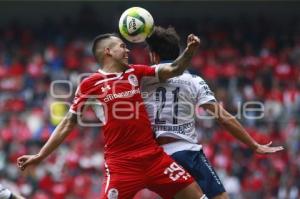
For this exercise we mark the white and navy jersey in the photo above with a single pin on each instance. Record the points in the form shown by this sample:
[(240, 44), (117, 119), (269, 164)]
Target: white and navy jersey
[(171, 108), (4, 193)]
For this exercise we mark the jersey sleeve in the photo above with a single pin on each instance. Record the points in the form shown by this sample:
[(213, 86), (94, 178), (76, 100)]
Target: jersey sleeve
[(5, 193), (82, 95), (146, 71), (202, 90)]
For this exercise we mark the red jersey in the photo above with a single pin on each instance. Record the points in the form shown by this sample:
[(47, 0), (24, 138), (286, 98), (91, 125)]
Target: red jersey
[(116, 99)]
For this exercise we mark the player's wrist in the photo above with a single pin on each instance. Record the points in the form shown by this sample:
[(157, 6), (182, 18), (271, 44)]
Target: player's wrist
[(254, 146), (188, 50), (39, 157)]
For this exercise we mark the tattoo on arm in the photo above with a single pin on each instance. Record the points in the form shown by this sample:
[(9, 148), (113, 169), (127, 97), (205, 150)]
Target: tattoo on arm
[(184, 58)]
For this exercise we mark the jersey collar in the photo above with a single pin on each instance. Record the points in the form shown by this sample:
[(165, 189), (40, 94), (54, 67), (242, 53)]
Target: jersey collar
[(129, 69), (106, 73)]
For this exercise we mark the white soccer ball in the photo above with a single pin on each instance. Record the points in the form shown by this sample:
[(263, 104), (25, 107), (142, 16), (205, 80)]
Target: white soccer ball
[(136, 24)]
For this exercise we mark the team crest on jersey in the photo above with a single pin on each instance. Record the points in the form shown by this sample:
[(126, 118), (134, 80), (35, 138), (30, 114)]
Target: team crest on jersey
[(133, 80), (113, 193)]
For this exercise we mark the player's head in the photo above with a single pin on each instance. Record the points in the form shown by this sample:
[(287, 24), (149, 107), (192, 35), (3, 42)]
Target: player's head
[(163, 44), (110, 48)]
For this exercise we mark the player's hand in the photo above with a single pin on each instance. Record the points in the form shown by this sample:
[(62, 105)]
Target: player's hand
[(27, 160), (193, 43), (267, 148)]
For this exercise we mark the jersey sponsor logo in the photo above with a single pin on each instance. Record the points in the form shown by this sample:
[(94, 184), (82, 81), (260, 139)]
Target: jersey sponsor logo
[(113, 193), (133, 80), (182, 129), (125, 94), (179, 81), (105, 88)]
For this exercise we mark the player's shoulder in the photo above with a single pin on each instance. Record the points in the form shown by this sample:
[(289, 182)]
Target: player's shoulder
[(196, 80), (91, 79), (137, 66), (191, 77), (194, 77)]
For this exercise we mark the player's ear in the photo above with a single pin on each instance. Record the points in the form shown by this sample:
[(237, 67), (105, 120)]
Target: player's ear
[(106, 51)]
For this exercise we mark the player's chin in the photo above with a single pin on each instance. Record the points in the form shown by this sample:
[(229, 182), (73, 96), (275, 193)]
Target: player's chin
[(125, 62)]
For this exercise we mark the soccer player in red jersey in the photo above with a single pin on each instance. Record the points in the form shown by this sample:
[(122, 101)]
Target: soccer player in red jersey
[(133, 159)]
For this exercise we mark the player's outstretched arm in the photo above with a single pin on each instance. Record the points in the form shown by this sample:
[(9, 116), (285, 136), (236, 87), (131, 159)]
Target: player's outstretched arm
[(182, 62), (231, 124), (60, 133)]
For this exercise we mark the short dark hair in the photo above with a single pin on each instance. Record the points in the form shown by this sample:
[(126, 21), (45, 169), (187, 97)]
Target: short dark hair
[(99, 38), (165, 42)]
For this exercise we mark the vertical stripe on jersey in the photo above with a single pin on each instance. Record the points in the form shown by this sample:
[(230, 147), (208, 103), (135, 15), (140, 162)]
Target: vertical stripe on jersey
[(108, 177)]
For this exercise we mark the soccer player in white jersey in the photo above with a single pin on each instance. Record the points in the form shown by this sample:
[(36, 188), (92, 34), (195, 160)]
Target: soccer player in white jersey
[(7, 194), (171, 106)]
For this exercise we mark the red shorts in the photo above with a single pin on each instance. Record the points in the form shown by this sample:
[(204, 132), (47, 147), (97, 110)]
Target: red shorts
[(157, 172)]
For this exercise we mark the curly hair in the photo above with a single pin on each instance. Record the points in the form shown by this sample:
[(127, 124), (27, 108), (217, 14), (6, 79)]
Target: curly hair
[(165, 42)]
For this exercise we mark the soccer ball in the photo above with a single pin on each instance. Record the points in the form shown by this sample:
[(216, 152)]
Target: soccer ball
[(136, 24)]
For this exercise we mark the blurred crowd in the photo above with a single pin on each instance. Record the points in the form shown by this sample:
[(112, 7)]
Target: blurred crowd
[(242, 61)]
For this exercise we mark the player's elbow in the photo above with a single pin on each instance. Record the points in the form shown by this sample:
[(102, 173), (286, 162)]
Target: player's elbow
[(223, 117), (226, 119), (66, 126), (175, 71)]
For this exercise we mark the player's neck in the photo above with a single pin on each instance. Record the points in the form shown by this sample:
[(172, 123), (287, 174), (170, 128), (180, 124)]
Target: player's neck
[(113, 68)]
